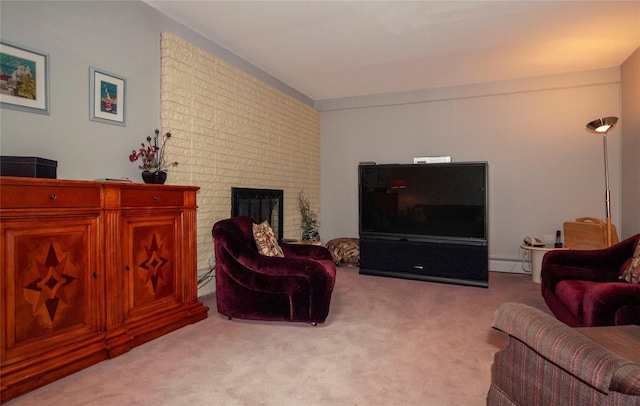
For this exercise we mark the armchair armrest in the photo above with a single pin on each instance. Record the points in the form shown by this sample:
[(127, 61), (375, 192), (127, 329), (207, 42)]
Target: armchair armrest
[(262, 273), (604, 258), (601, 265), (304, 250), (277, 274)]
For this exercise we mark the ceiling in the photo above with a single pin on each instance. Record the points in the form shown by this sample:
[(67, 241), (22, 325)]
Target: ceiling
[(336, 49)]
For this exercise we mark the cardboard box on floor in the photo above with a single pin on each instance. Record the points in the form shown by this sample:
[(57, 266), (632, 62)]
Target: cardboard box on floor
[(587, 233)]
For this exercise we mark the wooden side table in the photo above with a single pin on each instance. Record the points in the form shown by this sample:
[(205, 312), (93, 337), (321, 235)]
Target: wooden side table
[(300, 242)]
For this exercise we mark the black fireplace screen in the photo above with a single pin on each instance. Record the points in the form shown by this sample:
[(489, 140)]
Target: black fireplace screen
[(260, 205)]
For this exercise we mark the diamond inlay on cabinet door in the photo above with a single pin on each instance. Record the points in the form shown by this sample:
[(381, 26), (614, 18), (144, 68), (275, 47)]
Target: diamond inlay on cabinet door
[(49, 272), (154, 253)]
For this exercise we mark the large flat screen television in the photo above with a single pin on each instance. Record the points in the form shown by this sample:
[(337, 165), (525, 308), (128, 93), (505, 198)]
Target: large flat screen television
[(441, 201)]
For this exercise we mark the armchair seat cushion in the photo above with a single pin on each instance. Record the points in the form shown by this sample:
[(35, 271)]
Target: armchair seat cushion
[(571, 293)]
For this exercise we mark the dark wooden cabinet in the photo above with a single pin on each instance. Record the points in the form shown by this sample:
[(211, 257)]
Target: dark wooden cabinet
[(90, 270)]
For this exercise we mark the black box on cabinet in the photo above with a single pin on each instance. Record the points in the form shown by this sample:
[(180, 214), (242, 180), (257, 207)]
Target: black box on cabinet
[(28, 167)]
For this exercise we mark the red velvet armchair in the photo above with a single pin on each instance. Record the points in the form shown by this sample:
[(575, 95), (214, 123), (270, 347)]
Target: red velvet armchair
[(249, 285), (583, 289)]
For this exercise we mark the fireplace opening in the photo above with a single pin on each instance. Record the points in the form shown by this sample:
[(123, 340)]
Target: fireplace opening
[(260, 205)]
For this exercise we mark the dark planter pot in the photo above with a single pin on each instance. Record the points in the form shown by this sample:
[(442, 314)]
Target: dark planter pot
[(156, 178), (310, 235)]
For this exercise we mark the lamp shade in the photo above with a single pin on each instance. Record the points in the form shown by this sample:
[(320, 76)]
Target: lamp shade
[(602, 125)]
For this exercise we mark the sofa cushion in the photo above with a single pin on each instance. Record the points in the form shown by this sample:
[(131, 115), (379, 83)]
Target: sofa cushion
[(632, 273), (266, 240), (571, 292)]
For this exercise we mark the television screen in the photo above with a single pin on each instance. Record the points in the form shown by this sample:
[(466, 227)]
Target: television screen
[(447, 200)]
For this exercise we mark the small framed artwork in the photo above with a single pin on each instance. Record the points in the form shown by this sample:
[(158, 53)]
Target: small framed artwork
[(24, 79), (107, 97)]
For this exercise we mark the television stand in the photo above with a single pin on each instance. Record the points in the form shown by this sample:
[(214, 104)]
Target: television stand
[(446, 261)]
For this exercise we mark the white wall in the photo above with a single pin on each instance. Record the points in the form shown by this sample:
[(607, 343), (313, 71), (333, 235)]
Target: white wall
[(121, 37), (544, 167), (539, 177), (630, 79)]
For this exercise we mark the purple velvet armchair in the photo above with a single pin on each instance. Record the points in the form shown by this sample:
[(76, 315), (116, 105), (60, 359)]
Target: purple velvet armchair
[(296, 287), (583, 289)]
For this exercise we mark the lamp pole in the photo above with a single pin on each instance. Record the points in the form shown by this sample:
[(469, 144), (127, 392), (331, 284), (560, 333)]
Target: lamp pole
[(607, 195), (602, 126)]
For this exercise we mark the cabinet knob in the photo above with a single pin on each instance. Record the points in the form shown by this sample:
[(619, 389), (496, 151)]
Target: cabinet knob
[(126, 267), (156, 197), (95, 275), (53, 196)]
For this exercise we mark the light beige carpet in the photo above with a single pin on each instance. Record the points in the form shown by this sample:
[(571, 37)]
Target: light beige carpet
[(386, 342)]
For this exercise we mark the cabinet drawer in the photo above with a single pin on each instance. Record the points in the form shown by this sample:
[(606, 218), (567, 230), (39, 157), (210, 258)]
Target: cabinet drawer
[(154, 197), (49, 196)]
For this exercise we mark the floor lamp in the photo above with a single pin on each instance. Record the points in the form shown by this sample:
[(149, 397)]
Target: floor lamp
[(602, 126)]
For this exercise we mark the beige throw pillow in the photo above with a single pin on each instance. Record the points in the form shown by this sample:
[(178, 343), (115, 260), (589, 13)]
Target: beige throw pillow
[(632, 273), (266, 241)]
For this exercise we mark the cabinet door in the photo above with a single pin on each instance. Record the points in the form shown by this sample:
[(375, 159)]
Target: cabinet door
[(51, 300), (152, 255)]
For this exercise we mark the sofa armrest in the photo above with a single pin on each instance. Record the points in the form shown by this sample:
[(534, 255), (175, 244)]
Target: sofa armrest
[(278, 274), (601, 265), (258, 272), (603, 259), (601, 302), (560, 344), (552, 273), (305, 250)]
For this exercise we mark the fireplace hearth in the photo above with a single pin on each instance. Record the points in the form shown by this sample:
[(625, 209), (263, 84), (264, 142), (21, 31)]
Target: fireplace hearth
[(260, 205)]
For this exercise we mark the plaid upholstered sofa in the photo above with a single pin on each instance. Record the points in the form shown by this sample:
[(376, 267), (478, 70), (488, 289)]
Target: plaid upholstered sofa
[(548, 363)]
